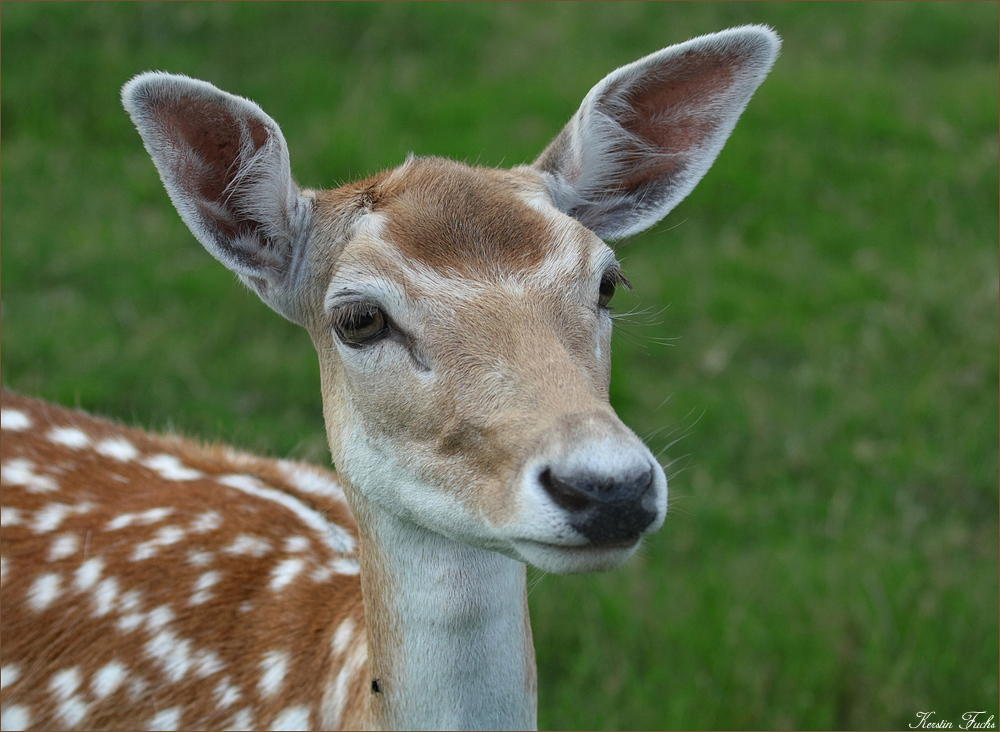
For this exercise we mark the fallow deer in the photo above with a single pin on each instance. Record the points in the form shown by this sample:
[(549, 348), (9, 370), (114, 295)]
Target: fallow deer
[(461, 316)]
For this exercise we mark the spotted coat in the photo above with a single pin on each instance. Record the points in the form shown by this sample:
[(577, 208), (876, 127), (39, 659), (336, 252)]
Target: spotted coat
[(228, 583)]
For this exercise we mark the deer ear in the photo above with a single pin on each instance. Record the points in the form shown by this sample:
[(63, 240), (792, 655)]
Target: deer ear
[(648, 132), (225, 166)]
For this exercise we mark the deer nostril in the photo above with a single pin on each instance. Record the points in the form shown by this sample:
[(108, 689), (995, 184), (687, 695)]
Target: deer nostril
[(563, 493), (644, 484), (582, 490)]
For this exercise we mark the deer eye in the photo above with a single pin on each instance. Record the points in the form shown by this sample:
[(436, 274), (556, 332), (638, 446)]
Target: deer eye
[(359, 323), (607, 291), (609, 283)]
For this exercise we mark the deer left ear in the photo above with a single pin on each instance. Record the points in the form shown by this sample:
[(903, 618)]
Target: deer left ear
[(648, 132), (225, 165)]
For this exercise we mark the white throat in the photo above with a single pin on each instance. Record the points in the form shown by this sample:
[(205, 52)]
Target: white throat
[(449, 635)]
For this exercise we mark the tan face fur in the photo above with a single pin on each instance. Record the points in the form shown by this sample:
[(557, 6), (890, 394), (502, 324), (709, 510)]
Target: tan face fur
[(499, 358)]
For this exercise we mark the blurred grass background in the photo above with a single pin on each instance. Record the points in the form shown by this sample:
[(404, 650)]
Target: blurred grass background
[(827, 403)]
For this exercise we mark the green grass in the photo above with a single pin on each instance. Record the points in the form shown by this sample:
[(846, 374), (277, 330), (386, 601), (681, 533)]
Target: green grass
[(831, 287)]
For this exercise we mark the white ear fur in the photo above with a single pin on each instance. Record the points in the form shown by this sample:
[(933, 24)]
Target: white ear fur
[(225, 165), (649, 131)]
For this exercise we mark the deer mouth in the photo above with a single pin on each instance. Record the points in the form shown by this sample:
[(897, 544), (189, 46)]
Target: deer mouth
[(589, 546), (575, 558)]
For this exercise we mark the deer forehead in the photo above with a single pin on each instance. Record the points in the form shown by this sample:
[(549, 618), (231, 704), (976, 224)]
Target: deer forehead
[(434, 232)]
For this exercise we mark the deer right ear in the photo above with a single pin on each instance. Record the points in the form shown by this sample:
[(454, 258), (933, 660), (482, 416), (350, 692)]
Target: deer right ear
[(225, 166), (648, 132)]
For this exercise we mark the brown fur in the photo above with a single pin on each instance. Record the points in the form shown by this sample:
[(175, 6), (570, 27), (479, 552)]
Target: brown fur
[(459, 219)]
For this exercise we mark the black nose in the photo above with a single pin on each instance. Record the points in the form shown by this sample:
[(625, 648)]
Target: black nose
[(605, 510)]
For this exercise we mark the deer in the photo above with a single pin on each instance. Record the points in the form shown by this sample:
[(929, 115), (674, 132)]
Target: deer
[(461, 316)]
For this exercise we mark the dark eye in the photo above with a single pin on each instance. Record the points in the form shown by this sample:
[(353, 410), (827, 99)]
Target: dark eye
[(607, 291), (359, 323)]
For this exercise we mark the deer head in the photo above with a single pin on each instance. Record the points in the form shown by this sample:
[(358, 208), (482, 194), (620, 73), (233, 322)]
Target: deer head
[(461, 314)]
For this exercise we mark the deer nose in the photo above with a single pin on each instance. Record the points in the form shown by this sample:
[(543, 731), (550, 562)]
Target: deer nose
[(605, 509)]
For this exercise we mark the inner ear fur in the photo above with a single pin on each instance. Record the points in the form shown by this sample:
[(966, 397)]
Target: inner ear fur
[(225, 165), (648, 132)]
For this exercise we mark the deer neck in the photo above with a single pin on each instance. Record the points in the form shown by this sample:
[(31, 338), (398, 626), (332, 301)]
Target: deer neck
[(448, 630)]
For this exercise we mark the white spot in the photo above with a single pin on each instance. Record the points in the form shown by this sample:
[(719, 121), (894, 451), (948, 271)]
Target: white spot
[(173, 653), (311, 480), (10, 516), (64, 683), (108, 678), (166, 536), (63, 546), (341, 685), (203, 588), (337, 566), (88, 573), (105, 595), (343, 635), (168, 719), (51, 517), (15, 420), (44, 591), (170, 468), (143, 518), (346, 566), (129, 602), (226, 694), (205, 522), (9, 674), (159, 617), (200, 558), (284, 572), (246, 606), (207, 663), (295, 544), (15, 717), (253, 546), (273, 668), (130, 621), (137, 688), (169, 535), (70, 437), (22, 472), (338, 539), (132, 617), (117, 448), (120, 521), (241, 482), (292, 718), (322, 574), (72, 711), (242, 720), (3, 569), (152, 515)]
